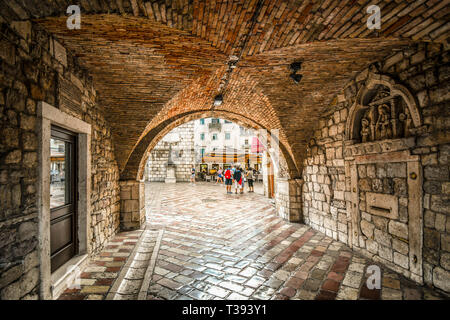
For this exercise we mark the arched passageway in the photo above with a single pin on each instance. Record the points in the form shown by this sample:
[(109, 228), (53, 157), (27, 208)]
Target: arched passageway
[(284, 184)]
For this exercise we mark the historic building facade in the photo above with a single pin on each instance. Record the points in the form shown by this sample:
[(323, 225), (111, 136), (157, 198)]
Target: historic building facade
[(189, 143), (179, 146), (212, 134)]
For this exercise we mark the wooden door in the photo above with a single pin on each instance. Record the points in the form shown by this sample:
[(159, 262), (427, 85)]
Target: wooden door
[(63, 196)]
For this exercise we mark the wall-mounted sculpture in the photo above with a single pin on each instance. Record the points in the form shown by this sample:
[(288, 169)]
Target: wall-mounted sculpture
[(386, 117), (383, 110)]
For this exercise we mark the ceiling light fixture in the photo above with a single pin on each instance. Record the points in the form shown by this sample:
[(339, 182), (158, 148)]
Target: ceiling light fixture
[(296, 77), (218, 100), (234, 58), (294, 67)]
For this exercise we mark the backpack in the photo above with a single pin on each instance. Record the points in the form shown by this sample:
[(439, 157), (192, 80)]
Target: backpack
[(237, 175), (228, 174)]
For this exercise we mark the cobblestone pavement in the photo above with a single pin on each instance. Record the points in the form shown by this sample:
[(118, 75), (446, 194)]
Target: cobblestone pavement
[(218, 246), (101, 273)]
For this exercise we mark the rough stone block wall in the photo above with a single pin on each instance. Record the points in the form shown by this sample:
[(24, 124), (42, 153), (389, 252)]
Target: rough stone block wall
[(157, 163), (105, 190), (324, 187), (35, 68), (182, 155), (425, 70), (132, 205), (288, 199)]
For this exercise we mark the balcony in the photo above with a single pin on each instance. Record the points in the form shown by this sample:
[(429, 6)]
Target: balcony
[(215, 127)]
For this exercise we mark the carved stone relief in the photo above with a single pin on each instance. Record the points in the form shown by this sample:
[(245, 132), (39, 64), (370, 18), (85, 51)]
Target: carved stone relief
[(382, 110), (385, 205), (386, 116)]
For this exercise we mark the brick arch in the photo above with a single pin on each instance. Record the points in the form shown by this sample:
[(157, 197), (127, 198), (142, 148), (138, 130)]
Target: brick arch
[(243, 102), (242, 96), (136, 164), (141, 57), (279, 23)]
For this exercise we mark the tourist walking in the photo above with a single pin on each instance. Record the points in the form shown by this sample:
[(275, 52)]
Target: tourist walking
[(193, 175), (250, 179), (219, 176), (228, 179), (238, 180), (243, 180)]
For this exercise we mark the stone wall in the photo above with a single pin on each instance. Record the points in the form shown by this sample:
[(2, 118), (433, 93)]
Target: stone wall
[(132, 205), (287, 192), (157, 162), (182, 155), (288, 199), (35, 67), (364, 194)]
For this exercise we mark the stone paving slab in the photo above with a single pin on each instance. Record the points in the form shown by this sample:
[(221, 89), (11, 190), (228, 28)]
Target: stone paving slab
[(101, 272), (234, 247)]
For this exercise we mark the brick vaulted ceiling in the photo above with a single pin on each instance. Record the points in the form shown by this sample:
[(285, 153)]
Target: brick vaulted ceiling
[(145, 56)]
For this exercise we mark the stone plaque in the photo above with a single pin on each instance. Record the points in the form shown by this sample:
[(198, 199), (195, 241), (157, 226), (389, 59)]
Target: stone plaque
[(384, 205)]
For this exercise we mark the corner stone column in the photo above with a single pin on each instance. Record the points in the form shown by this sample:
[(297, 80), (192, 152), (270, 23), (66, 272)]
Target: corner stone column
[(288, 199), (132, 205)]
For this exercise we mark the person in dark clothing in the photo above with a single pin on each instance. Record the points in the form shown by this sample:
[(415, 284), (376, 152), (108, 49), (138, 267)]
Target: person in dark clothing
[(193, 175), (238, 180)]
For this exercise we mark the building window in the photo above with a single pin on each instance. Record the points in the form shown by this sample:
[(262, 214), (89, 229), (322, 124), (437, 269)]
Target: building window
[(215, 120), (227, 136), (202, 152), (246, 141), (226, 121), (214, 136), (202, 136), (202, 121)]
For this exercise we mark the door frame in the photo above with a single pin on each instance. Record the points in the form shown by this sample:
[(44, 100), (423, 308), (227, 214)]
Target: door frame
[(415, 207), (52, 284)]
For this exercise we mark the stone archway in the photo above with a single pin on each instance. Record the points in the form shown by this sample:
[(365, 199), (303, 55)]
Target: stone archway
[(285, 165), (287, 188)]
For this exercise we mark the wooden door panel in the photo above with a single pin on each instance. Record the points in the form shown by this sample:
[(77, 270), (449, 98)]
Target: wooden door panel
[(64, 255), (63, 186), (61, 232), (61, 211)]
